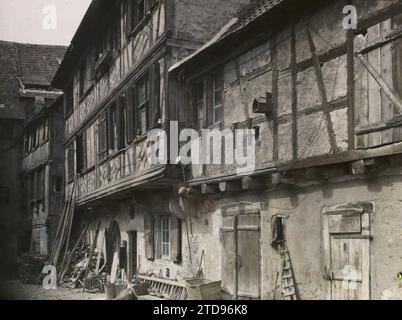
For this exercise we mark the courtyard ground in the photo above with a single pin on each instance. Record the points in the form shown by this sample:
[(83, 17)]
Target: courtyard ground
[(16, 290)]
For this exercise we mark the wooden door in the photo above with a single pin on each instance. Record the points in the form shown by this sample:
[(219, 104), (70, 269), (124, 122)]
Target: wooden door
[(132, 256), (241, 256), (347, 251)]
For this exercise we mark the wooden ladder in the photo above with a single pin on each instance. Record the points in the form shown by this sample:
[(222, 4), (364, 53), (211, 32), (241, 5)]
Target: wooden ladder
[(287, 276)]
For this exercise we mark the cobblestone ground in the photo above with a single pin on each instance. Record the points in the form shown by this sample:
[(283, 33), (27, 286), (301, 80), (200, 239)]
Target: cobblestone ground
[(15, 290)]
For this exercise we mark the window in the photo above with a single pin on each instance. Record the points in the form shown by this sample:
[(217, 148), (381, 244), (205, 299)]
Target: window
[(217, 99), (46, 130), (123, 119), (26, 145), (113, 129), (199, 104), (57, 184), (110, 38), (142, 106), (82, 153), (165, 237), (102, 137), (69, 100), (140, 10), (116, 33), (136, 13), (70, 163), (207, 97), (85, 75)]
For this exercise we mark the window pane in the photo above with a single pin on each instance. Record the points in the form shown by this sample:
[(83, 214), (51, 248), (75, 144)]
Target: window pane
[(218, 114)]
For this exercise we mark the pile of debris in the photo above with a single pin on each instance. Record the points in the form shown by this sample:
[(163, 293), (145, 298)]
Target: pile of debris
[(84, 269)]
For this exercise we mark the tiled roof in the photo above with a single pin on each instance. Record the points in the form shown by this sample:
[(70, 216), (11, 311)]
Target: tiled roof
[(24, 64), (246, 16), (252, 11)]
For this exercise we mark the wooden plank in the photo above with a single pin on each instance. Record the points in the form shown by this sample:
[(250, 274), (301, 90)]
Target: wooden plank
[(115, 263), (322, 89), (344, 224), (236, 258), (384, 86), (275, 80), (94, 244), (387, 109), (294, 71), (396, 70), (350, 88), (374, 92)]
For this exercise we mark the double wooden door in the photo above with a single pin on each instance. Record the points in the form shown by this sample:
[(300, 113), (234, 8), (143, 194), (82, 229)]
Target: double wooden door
[(241, 256)]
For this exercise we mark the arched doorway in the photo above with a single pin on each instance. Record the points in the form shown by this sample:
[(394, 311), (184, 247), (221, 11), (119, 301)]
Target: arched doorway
[(113, 240)]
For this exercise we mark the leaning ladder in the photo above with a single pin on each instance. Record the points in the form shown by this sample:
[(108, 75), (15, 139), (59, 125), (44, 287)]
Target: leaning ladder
[(287, 277)]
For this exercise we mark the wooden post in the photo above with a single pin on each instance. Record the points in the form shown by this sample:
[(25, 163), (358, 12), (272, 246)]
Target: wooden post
[(91, 253), (236, 256), (351, 88), (294, 94), (275, 77)]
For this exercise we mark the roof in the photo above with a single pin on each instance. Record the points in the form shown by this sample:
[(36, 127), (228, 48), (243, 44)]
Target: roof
[(247, 15), (89, 26), (25, 64)]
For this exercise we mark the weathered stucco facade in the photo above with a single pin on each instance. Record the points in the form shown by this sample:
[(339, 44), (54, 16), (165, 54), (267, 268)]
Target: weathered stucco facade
[(323, 103), (325, 143)]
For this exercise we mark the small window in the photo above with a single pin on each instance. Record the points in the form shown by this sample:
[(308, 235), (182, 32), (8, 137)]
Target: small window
[(113, 129), (26, 145), (102, 137), (165, 237), (70, 163), (69, 100), (57, 184), (199, 104), (140, 10), (82, 153), (142, 106), (46, 130), (217, 98), (85, 75)]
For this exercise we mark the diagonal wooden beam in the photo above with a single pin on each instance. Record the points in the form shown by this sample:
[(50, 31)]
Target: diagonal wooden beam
[(321, 87)]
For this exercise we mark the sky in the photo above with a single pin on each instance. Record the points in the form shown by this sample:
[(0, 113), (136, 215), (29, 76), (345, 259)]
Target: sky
[(41, 21)]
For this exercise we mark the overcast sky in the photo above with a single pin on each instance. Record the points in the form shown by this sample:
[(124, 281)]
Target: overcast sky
[(32, 21)]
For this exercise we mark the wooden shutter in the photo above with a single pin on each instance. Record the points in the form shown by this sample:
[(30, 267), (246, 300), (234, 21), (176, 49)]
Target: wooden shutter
[(149, 236), (129, 16), (156, 110), (175, 239), (130, 114), (102, 136)]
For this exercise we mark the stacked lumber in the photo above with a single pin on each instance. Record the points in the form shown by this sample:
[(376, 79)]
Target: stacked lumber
[(60, 246)]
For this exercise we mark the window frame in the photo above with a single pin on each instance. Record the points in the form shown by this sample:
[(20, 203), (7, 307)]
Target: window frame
[(102, 133), (165, 244), (142, 106), (214, 90)]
